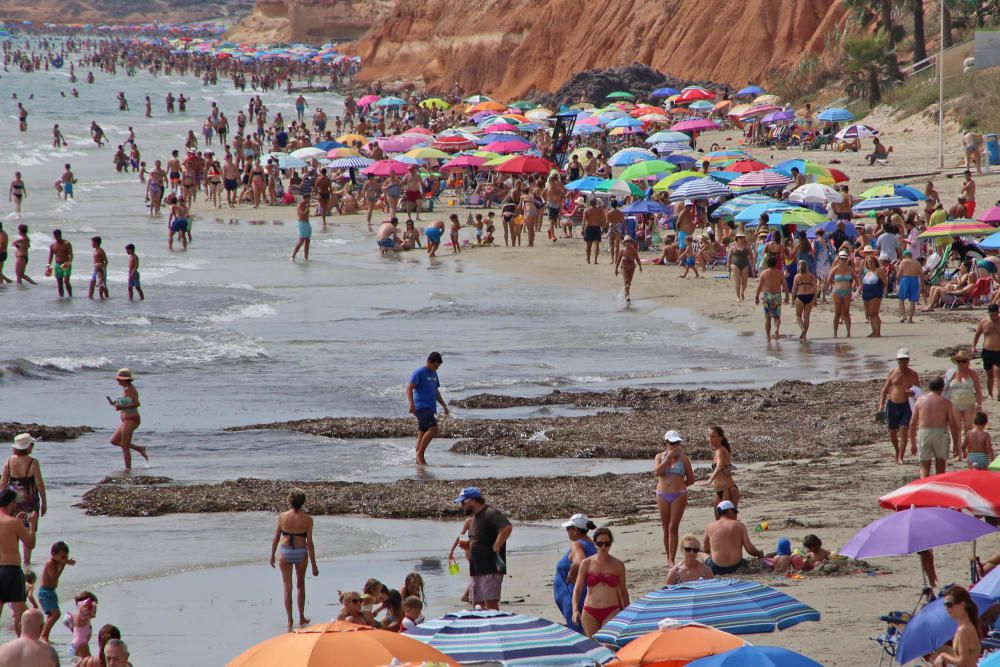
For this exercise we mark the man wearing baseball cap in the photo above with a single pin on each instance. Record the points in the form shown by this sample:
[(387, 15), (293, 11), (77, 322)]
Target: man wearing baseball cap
[(488, 537), (894, 402), (725, 540)]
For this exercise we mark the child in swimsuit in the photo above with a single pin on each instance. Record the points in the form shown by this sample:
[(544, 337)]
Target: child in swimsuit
[(78, 623), (978, 445)]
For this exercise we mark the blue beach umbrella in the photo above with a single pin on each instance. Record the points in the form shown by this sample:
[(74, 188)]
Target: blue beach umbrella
[(741, 203), (880, 203), (751, 91), (328, 145), (645, 206), (665, 92), (835, 115), (724, 177), (510, 640), (756, 656), (585, 184), (753, 213), (700, 188), (671, 136), (931, 627), (735, 606), (992, 242), (390, 101), (351, 162), (831, 227), (625, 122), (681, 159)]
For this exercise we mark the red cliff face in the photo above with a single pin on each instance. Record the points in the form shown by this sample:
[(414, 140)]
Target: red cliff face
[(310, 21), (509, 47)]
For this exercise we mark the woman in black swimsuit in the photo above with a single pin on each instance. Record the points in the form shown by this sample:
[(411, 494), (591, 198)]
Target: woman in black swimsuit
[(17, 192), (804, 295), (294, 533)]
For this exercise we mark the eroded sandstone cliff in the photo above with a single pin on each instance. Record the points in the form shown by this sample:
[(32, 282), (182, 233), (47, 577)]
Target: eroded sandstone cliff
[(311, 21), (509, 47)]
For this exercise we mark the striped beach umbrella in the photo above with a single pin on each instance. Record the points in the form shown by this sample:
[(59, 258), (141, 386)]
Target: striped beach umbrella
[(958, 228), (760, 179), (351, 162), (739, 204), (614, 186), (510, 640), (702, 188), (669, 136), (752, 213), (735, 606), (881, 203), (627, 156), (835, 115), (974, 490), (893, 190), (857, 132), (676, 179)]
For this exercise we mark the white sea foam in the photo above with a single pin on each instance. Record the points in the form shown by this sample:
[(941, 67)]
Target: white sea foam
[(71, 364)]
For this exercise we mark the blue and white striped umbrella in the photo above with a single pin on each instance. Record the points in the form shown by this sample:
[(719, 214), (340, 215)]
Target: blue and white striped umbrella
[(700, 188), (669, 135), (732, 605), (351, 161), (509, 640), (739, 204), (880, 203), (285, 161), (628, 156), (835, 115), (673, 146)]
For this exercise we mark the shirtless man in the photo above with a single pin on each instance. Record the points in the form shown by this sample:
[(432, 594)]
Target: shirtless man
[(154, 191), (62, 251), (773, 285), (910, 273), (174, 171), (593, 220), (27, 650), (554, 194), (989, 330), (685, 225), (972, 145), (969, 192), (4, 240), (842, 209), (99, 279), (324, 192), (68, 181), (412, 189), (895, 401), (97, 134), (13, 533), (725, 540), (387, 239), (933, 417), (230, 180)]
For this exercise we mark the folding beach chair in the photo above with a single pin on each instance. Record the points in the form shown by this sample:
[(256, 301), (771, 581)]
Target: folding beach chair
[(981, 290), (895, 624)]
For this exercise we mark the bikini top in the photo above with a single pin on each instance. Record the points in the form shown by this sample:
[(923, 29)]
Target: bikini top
[(595, 578), (291, 537), (676, 469)]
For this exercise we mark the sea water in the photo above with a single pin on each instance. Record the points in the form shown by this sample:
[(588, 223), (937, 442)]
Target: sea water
[(232, 333)]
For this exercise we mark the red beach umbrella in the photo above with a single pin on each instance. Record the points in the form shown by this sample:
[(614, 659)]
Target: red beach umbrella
[(975, 490), (695, 94), (526, 165), (745, 166), (838, 175), (386, 167)]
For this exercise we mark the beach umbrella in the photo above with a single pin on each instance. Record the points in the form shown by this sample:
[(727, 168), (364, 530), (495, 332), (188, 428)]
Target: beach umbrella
[(427, 153), (750, 91), (385, 168), (795, 215), (664, 92), (759, 110), (913, 530), (815, 193), (838, 175), (338, 644), (336, 153), (959, 228), (670, 136), (421, 131), (857, 132), (488, 105), (893, 190), (625, 123), (676, 179), (508, 146), (991, 215), (835, 115), (285, 161), (463, 161), (308, 153), (761, 179), (701, 105), (498, 161), (627, 156), (675, 645), (508, 640), (679, 156), (453, 144), (352, 139), (752, 213), (351, 162), (620, 95), (696, 125), (434, 103), (701, 188), (806, 167), (739, 204), (991, 242), (538, 113), (882, 203), (757, 656), (523, 105), (975, 490), (694, 94), (526, 165), (781, 116), (648, 206), (831, 226), (367, 100), (931, 628), (766, 99), (614, 186), (745, 166), (476, 99), (500, 127), (645, 169), (585, 184), (735, 606), (328, 145)]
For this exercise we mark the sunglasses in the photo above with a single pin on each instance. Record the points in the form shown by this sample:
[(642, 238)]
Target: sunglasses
[(355, 600), (692, 550), (603, 544), (949, 604)]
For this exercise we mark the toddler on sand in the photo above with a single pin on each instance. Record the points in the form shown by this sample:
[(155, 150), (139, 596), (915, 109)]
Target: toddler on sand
[(78, 623)]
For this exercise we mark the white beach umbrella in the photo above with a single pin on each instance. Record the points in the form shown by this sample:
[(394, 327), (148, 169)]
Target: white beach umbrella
[(309, 153), (815, 193)]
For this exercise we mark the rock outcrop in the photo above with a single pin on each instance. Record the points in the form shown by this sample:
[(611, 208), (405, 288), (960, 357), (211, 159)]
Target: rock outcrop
[(310, 21), (507, 48)]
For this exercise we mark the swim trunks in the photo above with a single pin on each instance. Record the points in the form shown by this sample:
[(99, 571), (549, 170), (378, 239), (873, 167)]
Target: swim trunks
[(592, 234), (553, 213), (979, 460), (932, 443), (61, 272), (305, 229), (133, 280), (682, 239), (48, 599), (485, 587), (909, 288), (772, 304), (724, 569), (386, 243), (412, 195), (991, 359), (970, 208), (425, 419), (12, 584), (68, 189), (230, 184), (897, 414), (179, 225), (3, 257), (433, 235)]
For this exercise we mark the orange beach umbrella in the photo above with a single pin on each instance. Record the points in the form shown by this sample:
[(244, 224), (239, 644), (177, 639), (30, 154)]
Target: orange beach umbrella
[(339, 644), (675, 645)]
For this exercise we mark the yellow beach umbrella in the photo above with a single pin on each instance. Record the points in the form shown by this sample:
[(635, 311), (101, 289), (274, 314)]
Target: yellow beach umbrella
[(343, 151), (666, 182), (499, 160), (767, 99), (352, 138), (489, 155), (434, 103), (427, 153), (538, 113)]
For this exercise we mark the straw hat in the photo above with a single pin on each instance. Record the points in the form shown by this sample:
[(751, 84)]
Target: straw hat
[(23, 442), (961, 355), (124, 374)]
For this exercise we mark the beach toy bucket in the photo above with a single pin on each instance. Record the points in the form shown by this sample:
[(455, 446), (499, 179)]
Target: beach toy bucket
[(992, 149), (453, 567)]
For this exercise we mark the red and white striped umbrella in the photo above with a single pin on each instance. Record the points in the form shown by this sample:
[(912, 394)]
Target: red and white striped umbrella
[(975, 490), (760, 179)]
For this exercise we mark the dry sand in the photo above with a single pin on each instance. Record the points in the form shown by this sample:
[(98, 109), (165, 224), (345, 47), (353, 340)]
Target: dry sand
[(833, 496)]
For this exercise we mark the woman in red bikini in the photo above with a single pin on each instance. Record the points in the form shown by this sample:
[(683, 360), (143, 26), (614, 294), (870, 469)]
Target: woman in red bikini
[(673, 476), (603, 577), (127, 406)]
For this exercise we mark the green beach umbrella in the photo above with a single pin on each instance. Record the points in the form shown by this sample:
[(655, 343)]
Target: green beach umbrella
[(646, 168), (434, 103), (621, 95), (668, 182), (618, 187), (523, 105), (499, 160)]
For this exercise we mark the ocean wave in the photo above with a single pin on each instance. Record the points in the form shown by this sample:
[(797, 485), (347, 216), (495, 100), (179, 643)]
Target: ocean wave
[(70, 364), (241, 312)]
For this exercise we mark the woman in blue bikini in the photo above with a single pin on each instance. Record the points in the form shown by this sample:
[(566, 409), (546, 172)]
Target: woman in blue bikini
[(673, 476), (293, 540)]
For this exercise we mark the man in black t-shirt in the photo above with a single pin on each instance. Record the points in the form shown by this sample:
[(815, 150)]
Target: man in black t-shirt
[(488, 537)]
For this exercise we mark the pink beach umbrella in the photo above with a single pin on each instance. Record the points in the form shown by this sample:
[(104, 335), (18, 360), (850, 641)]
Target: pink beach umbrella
[(507, 146), (696, 125), (990, 215), (500, 127), (368, 100), (401, 143), (385, 168), (463, 161)]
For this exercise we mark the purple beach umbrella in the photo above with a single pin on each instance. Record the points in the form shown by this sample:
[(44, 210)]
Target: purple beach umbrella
[(913, 530)]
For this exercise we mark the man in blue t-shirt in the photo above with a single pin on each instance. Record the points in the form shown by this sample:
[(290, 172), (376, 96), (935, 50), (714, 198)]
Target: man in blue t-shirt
[(424, 393)]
